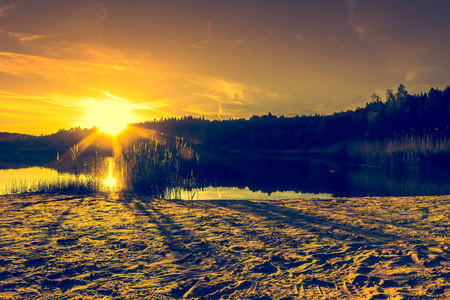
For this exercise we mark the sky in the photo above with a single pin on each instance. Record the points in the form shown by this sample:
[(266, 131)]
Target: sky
[(62, 61)]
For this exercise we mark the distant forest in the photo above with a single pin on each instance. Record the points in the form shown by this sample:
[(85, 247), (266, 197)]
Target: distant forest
[(401, 117), (418, 123), (17, 150)]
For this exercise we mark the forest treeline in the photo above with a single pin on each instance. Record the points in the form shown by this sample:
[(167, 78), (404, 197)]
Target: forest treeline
[(402, 122), (400, 117)]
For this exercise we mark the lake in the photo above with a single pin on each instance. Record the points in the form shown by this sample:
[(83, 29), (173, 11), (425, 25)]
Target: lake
[(8, 177), (280, 178)]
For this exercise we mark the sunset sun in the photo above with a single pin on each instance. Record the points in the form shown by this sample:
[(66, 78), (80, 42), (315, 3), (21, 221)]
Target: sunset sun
[(110, 117)]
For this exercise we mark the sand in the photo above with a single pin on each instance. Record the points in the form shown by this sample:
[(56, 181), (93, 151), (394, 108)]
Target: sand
[(118, 246)]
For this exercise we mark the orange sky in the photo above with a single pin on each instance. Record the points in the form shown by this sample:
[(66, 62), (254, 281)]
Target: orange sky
[(218, 59)]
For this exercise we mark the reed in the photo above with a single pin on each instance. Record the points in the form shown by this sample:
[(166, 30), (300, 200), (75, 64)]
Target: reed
[(64, 185), (154, 169), (410, 148)]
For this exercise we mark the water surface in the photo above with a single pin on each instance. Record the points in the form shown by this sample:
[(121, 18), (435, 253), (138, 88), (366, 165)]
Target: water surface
[(8, 177), (275, 178)]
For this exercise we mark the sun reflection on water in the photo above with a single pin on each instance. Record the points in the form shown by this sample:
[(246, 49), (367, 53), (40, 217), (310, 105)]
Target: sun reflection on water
[(110, 182)]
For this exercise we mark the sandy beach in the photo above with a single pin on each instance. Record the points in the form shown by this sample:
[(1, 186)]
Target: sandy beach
[(120, 246)]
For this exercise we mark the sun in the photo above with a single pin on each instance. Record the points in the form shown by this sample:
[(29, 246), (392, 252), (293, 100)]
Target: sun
[(111, 117)]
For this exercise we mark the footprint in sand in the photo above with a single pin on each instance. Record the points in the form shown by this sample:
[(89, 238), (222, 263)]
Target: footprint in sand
[(360, 280), (67, 241), (389, 283), (266, 268), (364, 270), (371, 260)]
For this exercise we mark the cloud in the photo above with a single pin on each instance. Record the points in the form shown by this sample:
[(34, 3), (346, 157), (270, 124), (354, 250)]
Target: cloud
[(406, 56), (24, 37), (199, 110), (90, 66), (209, 32), (71, 71), (7, 7), (210, 96), (52, 100), (11, 95), (302, 38), (294, 36), (36, 114), (336, 41), (209, 42), (24, 64), (364, 26), (94, 15), (101, 11), (225, 91), (421, 74), (226, 98), (56, 80), (351, 11)]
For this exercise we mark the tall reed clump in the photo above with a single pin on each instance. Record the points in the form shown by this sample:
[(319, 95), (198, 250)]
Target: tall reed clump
[(412, 148), (155, 169)]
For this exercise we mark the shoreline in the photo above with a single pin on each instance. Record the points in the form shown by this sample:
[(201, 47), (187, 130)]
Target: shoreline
[(123, 246)]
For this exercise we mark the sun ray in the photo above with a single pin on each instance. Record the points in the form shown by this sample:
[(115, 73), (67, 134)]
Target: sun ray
[(82, 145), (145, 133)]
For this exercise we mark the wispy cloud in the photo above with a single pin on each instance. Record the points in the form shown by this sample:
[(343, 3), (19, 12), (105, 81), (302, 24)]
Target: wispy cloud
[(24, 37), (55, 69), (302, 38), (11, 95), (201, 111), (294, 36), (336, 41), (102, 12), (35, 99), (209, 42), (36, 114), (7, 7), (209, 32), (364, 32), (226, 91), (351, 11), (226, 97), (404, 61), (101, 15)]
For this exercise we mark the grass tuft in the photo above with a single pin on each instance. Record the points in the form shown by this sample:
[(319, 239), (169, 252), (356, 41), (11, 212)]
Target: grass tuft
[(65, 185)]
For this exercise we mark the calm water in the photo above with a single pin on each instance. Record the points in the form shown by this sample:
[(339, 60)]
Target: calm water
[(317, 176), (33, 174), (225, 178), (28, 175), (227, 193)]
